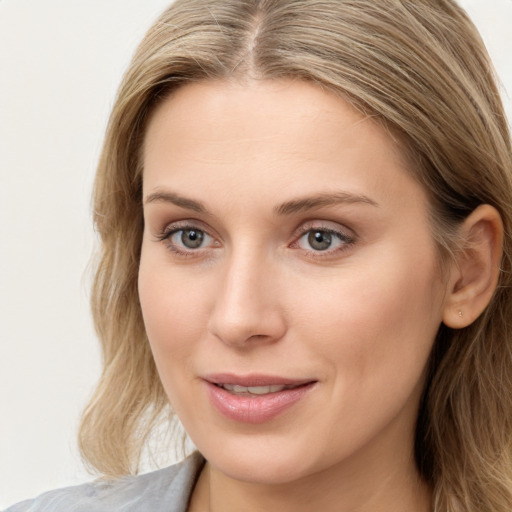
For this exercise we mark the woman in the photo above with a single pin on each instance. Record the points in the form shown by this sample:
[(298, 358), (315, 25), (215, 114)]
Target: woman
[(305, 215)]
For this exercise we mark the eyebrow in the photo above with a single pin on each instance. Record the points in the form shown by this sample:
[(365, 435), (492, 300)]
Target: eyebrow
[(299, 205), (182, 202), (320, 201)]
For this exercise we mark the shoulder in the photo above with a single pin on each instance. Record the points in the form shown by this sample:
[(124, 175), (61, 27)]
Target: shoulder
[(167, 489)]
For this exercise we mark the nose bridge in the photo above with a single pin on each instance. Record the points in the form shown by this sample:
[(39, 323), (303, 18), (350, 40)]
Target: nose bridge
[(247, 306)]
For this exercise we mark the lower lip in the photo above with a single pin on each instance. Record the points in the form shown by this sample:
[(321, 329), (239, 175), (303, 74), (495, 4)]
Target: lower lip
[(255, 408)]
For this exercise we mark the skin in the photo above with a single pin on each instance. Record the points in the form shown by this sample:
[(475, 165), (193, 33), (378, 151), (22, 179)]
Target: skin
[(256, 297)]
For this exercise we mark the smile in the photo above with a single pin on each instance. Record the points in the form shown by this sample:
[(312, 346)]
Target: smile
[(255, 390), (255, 399)]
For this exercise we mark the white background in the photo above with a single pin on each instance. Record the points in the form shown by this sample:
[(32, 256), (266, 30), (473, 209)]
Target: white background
[(60, 64)]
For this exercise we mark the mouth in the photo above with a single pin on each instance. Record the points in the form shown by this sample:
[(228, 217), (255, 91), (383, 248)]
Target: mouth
[(237, 389), (255, 384), (256, 398)]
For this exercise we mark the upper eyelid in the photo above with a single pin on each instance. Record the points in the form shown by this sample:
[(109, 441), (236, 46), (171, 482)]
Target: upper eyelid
[(324, 225), (299, 231), (186, 224), (343, 237)]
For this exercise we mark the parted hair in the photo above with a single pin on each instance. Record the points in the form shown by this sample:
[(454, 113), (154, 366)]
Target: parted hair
[(420, 68)]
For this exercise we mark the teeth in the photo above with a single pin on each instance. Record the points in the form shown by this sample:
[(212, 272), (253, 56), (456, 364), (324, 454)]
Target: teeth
[(255, 390), (259, 390)]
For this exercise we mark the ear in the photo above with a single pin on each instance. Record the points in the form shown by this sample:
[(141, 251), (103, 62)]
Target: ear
[(474, 275)]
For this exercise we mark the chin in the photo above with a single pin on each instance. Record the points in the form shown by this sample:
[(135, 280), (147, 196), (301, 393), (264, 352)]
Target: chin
[(261, 461), (263, 471)]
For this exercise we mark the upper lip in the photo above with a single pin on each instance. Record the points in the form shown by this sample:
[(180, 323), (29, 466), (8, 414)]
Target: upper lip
[(255, 379)]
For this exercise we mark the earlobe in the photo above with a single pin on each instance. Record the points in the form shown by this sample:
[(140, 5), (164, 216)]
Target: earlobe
[(474, 275)]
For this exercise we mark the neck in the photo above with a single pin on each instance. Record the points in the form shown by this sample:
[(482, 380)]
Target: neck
[(366, 486)]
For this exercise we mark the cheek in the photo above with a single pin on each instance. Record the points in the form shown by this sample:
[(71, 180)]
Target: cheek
[(174, 314), (375, 327)]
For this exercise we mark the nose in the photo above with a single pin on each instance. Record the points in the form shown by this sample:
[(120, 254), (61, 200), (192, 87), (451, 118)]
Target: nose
[(247, 310)]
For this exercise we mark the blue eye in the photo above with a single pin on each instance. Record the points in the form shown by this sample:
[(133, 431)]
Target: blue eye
[(190, 238), (186, 240), (320, 240)]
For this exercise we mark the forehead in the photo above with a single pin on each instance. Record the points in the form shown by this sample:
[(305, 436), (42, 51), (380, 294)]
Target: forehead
[(253, 110), (268, 137)]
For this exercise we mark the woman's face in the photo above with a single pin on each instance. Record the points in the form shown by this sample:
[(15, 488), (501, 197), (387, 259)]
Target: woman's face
[(288, 280)]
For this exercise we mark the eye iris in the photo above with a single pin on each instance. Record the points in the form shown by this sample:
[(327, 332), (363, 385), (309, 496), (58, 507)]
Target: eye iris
[(192, 238), (320, 240)]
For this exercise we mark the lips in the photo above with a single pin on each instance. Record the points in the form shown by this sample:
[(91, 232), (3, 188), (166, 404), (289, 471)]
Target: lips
[(254, 390), (255, 398)]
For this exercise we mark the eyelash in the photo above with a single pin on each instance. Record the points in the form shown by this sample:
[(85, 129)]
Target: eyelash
[(345, 240)]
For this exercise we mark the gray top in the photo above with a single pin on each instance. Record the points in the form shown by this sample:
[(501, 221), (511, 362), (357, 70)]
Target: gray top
[(165, 490)]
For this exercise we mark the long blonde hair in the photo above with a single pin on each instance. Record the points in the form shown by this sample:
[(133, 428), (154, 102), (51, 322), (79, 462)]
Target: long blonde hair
[(417, 66)]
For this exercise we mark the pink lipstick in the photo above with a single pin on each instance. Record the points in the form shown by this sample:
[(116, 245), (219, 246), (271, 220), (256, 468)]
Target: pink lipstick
[(254, 398)]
